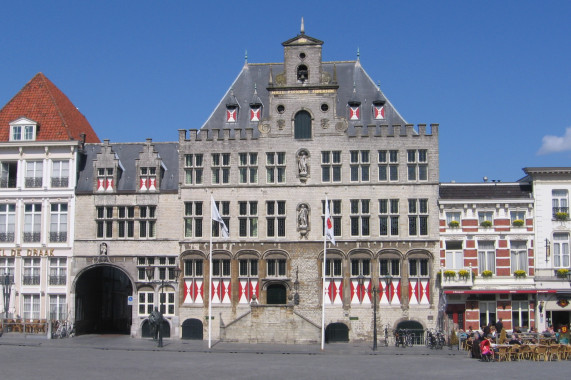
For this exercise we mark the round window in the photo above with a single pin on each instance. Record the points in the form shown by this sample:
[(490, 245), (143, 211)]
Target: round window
[(324, 107), (302, 55), (281, 108)]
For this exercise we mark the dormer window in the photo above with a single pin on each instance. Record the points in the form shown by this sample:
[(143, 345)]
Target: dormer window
[(148, 179), (23, 130), (231, 114), (379, 110), (105, 179), (354, 111), (255, 113), (302, 73)]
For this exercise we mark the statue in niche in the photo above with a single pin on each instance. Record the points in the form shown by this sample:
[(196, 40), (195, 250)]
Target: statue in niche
[(302, 164), (303, 219)]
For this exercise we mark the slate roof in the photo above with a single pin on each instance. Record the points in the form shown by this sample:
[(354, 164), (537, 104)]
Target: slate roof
[(128, 153), (353, 82), (56, 116), (486, 191)]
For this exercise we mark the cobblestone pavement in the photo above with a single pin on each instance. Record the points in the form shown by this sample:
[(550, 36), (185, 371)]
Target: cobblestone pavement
[(118, 356)]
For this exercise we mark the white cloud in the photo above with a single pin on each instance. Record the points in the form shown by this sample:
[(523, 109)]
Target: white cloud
[(554, 144)]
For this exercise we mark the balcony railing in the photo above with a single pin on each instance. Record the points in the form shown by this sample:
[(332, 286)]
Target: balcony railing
[(32, 237), (58, 237), (32, 280), (6, 237), (8, 183), (33, 182), (60, 182), (57, 280)]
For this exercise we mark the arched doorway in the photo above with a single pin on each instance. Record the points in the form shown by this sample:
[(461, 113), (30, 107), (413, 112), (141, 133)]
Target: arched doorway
[(146, 331), (415, 328), (276, 294), (336, 332), (101, 301), (192, 329)]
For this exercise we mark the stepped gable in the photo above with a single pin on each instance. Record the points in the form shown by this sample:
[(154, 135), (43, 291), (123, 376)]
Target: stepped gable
[(56, 116)]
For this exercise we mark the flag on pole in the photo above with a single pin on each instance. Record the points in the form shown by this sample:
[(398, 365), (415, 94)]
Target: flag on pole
[(328, 223), (217, 218)]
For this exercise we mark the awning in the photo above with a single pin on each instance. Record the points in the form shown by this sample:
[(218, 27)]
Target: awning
[(518, 291)]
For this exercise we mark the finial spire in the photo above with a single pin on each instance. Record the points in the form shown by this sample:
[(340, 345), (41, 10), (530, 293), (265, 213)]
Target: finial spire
[(358, 54), (302, 27), (246, 56)]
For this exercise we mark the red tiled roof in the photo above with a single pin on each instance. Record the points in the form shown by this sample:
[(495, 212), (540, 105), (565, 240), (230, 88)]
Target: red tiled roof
[(41, 101)]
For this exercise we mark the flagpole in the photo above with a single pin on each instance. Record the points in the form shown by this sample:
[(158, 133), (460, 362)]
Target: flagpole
[(323, 286), (210, 285)]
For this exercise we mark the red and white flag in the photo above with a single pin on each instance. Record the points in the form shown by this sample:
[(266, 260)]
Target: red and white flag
[(328, 223)]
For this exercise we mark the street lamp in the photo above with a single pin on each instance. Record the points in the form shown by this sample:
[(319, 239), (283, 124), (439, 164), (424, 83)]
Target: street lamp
[(158, 315), (375, 291), (6, 290), (296, 288)]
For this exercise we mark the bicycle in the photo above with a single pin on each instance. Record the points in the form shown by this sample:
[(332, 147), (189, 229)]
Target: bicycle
[(65, 329)]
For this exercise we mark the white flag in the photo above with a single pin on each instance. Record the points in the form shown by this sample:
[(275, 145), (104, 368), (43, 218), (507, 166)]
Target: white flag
[(217, 218), (328, 223)]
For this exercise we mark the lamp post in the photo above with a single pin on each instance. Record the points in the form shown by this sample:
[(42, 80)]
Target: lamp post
[(150, 272), (375, 291), (296, 288), (6, 290)]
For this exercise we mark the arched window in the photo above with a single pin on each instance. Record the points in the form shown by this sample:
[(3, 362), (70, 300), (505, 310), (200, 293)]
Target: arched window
[(302, 125)]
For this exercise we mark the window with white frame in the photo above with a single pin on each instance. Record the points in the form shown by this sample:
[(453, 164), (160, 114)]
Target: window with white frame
[(193, 268), (148, 178), (58, 307), (389, 267), (417, 217), (221, 268), (248, 167), (31, 306), (126, 222), (486, 256), (192, 219), (147, 221), (220, 168), (193, 169), (360, 267), (360, 217), (248, 268), (167, 301), (7, 267), (388, 217), (561, 250), (34, 174), (334, 213), (331, 166), (60, 173), (388, 165), (31, 271), (417, 165), (487, 313), (276, 218), (519, 256), (146, 302), (333, 268), (8, 174), (453, 218), (105, 179), (32, 222), (248, 218), (517, 215), (360, 165), (7, 222), (104, 222), (560, 201), (275, 167), (520, 314), (58, 222), (23, 133), (58, 271), (142, 263), (485, 218), (418, 268), (276, 267), (224, 211), (454, 255)]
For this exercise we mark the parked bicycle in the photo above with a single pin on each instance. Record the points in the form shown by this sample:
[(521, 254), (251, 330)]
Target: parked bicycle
[(403, 338), (63, 329), (435, 339)]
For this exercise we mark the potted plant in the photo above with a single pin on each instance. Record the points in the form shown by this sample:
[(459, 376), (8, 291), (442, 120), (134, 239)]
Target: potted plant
[(454, 224), (518, 223), (487, 273), (486, 224), (561, 215), (520, 273), (448, 274), (463, 273), (562, 273)]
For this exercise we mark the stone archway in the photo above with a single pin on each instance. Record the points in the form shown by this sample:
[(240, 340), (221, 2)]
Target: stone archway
[(336, 332), (101, 306), (276, 294), (192, 329)]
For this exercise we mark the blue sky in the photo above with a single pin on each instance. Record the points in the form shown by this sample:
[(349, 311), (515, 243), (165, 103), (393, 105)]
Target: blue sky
[(494, 74)]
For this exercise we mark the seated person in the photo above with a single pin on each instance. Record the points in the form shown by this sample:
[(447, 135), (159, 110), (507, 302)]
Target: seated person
[(515, 339)]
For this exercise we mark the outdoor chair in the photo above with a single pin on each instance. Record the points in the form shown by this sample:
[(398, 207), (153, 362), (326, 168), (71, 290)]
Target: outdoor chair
[(541, 352), (503, 353)]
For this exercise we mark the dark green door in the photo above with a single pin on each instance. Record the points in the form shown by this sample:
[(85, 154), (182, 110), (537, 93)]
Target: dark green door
[(276, 295)]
